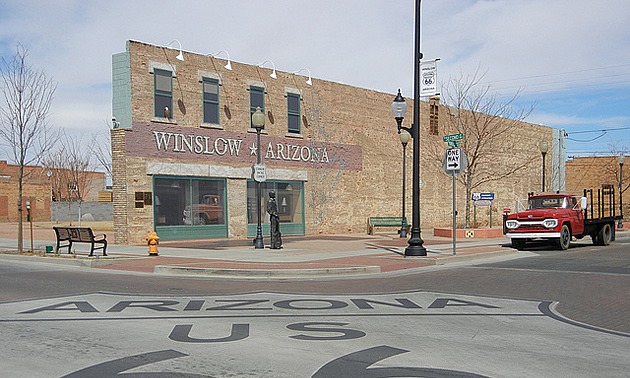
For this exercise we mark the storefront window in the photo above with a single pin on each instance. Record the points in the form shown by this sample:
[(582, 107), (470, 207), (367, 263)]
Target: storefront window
[(189, 201), (288, 197)]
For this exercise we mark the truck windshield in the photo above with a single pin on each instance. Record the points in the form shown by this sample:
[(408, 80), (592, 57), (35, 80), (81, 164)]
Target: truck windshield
[(547, 203)]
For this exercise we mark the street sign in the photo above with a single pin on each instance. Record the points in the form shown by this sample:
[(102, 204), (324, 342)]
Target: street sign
[(453, 159), (454, 162), (483, 196), (259, 172), (453, 143), (482, 203), (453, 137)]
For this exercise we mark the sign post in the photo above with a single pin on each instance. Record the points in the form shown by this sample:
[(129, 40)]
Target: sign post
[(454, 162), (483, 199)]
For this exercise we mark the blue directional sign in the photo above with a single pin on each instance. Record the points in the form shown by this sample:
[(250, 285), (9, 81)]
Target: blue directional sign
[(483, 196)]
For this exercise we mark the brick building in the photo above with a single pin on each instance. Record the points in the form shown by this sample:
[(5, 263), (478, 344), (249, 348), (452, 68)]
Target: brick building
[(38, 190), (332, 151), (597, 172)]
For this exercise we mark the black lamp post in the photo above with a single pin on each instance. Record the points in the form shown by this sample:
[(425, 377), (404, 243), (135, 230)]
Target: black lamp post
[(258, 120), (404, 139), (621, 159), (399, 108), (415, 247), (544, 148)]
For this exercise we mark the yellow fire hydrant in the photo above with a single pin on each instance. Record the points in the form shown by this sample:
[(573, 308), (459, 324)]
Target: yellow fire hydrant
[(152, 239)]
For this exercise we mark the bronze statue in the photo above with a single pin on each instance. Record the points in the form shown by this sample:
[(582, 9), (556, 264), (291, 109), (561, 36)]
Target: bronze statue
[(272, 209)]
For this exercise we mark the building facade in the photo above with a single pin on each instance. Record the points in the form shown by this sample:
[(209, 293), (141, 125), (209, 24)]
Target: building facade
[(598, 172), (183, 147), (41, 187)]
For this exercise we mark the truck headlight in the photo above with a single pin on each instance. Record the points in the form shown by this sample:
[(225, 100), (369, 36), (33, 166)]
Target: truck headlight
[(550, 223), (511, 224)]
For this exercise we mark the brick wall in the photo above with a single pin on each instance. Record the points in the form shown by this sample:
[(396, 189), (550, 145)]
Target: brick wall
[(357, 120)]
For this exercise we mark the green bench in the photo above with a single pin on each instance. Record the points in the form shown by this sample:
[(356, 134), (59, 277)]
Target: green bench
[(386, 222)]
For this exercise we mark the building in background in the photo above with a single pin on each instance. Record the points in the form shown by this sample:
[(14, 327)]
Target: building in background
[(183, 146), (597, 172), (39, 189)]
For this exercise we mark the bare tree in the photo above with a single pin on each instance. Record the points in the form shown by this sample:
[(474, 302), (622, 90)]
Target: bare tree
[(69, 167), (26, 99), (487, 123), (102, 150)]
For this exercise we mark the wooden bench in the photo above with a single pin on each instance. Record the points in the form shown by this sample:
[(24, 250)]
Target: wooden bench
[(68, 235), (386, 222)]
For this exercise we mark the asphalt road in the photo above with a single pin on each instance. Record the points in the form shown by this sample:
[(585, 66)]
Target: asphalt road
[(552, 313)]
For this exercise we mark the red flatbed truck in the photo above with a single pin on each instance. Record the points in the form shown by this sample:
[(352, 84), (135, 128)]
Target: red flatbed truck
[(560, 217)]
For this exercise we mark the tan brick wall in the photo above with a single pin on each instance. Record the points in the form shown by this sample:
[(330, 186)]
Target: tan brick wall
[(119, 186), (595, 172), (345, 115)]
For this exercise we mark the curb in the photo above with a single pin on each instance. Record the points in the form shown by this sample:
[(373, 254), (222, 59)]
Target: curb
[(265, 273), (442, 260), (88, 262)]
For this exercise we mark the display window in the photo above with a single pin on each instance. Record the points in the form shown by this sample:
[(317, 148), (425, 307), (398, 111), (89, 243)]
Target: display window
[(182, 202), (289, 196)]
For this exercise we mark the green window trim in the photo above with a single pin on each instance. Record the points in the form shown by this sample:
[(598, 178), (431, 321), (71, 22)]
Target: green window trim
[(293, 226), (170, 208), (210, 90), (256, 99), (293, 113), (162, 92)]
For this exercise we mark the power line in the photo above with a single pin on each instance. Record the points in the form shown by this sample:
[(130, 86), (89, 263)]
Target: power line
[(559, 74), (599, 130)]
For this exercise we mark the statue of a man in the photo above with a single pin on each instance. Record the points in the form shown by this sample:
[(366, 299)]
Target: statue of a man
[(272, 209)]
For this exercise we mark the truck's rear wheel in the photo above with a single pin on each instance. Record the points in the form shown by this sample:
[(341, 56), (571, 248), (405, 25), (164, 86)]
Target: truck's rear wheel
[(518, 244), (565, 238), (605, 235)]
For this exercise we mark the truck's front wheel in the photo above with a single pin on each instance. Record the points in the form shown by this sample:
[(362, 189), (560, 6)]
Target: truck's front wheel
[(565, 238), (605, 235), (518, 244)]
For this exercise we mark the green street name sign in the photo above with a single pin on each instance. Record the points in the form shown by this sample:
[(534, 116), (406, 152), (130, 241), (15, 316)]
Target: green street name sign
[(453, 143), (450, 138)]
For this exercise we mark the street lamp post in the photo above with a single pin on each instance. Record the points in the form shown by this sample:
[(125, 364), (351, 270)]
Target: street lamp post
[(416, 247), (404, 139), (399, 108), (544, 148), (621, 159), (258, 121)]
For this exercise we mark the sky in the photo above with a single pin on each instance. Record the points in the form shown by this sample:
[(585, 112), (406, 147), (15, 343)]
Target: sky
[(568, 58)]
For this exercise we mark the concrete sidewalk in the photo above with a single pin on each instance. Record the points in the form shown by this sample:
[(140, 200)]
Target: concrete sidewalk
[(302, 256)]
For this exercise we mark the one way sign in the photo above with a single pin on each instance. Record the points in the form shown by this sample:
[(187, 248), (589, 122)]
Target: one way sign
[(453, 159)]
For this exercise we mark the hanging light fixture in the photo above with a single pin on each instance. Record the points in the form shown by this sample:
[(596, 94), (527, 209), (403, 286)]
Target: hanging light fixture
[(273, 72), (309, 81), (179, 56), (228, 66)]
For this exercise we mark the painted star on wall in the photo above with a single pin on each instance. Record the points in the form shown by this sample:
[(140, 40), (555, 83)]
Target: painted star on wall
[(252, 149)]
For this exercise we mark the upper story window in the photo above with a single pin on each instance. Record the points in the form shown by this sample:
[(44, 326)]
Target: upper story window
[(210, 101), (293, 112), (163, 93), (433, 117), (256, 99)]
